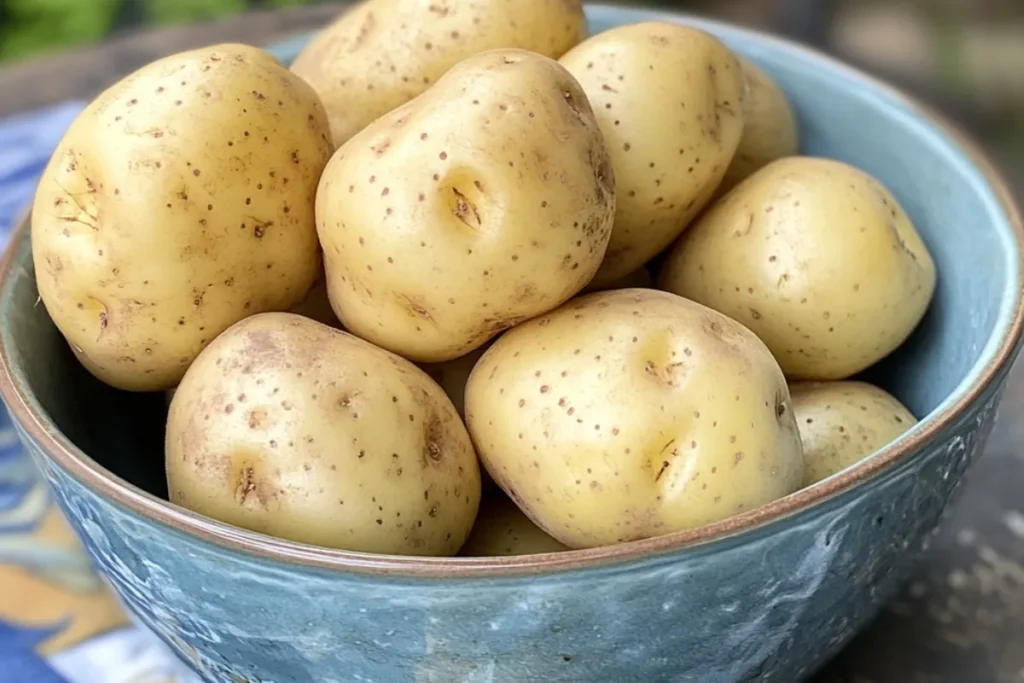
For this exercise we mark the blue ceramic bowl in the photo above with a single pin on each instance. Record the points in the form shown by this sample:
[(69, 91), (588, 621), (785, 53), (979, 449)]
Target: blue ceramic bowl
[(766, 596)]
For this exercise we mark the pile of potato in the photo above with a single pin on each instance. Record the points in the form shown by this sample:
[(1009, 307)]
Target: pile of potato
[(456, 234)]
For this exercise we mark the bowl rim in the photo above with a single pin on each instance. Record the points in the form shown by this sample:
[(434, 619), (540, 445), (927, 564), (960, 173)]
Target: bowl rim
[(105, 484)]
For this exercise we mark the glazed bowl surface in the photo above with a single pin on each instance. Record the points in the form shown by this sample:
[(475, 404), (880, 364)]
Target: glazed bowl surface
[(767, 596)]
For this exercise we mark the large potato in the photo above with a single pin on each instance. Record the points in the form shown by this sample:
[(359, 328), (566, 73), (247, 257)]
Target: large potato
[(179, 202), (291, 428), (814, 256), (485, 201), (669, 100), (382, 53), (769, 127), (633, 413), (501, 529), (841, 423)]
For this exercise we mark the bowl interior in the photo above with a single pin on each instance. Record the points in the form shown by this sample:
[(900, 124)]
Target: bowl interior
[(842, 115)]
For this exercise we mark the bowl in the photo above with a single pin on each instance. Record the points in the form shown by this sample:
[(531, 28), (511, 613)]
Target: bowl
[(769, 595)]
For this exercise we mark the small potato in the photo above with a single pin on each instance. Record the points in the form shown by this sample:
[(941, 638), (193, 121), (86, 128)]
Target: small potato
[(669, 100), (382, 53), (178, 202), (502, 529), (487, 200), (769, 127), (841, 423), (817, 258), (291, 428), (633, 413)]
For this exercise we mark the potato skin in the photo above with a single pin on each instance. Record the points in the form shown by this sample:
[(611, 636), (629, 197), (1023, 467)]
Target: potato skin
[(452, 376), (769, 127), (501, 529), (669, 100), (179, 201), (817, 258), (382, 53), (841, 423), (291, 428), (487, 200), (632, 413)]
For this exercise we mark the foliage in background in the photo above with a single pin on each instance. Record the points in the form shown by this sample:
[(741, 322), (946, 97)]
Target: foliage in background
[(32, 27)]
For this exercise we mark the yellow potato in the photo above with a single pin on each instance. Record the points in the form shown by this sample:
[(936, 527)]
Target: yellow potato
[(452, 376), (487, 200), (502, 529), (817, 258), (769, 127), (669, 100), (633, 413), (291, 428), (841, 423), (178, 202), (382, 53)]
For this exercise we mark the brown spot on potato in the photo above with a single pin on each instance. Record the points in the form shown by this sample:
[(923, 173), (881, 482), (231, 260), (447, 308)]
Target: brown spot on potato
[(257, 418), (465, 210), (433, 439), (260, 228), (416, 308), (525, 292)]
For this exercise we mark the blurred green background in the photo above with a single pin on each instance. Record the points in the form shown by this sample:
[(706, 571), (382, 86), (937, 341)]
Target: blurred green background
[(965, 55), (29, 27)]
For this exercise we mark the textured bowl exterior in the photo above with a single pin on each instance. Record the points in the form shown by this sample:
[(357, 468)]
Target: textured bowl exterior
[(768, 603), (772, 605)]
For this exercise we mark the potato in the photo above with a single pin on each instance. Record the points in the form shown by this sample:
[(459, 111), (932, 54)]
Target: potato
[(502, 529), (177, 203), (817, 258), (669, 100), (291, 428), (769, 127), (382, 53), (633, 413), (841, 423), (487, 200), (452, 377)]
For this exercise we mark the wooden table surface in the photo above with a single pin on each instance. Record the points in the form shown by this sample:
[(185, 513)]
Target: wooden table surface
[(960, 621)]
